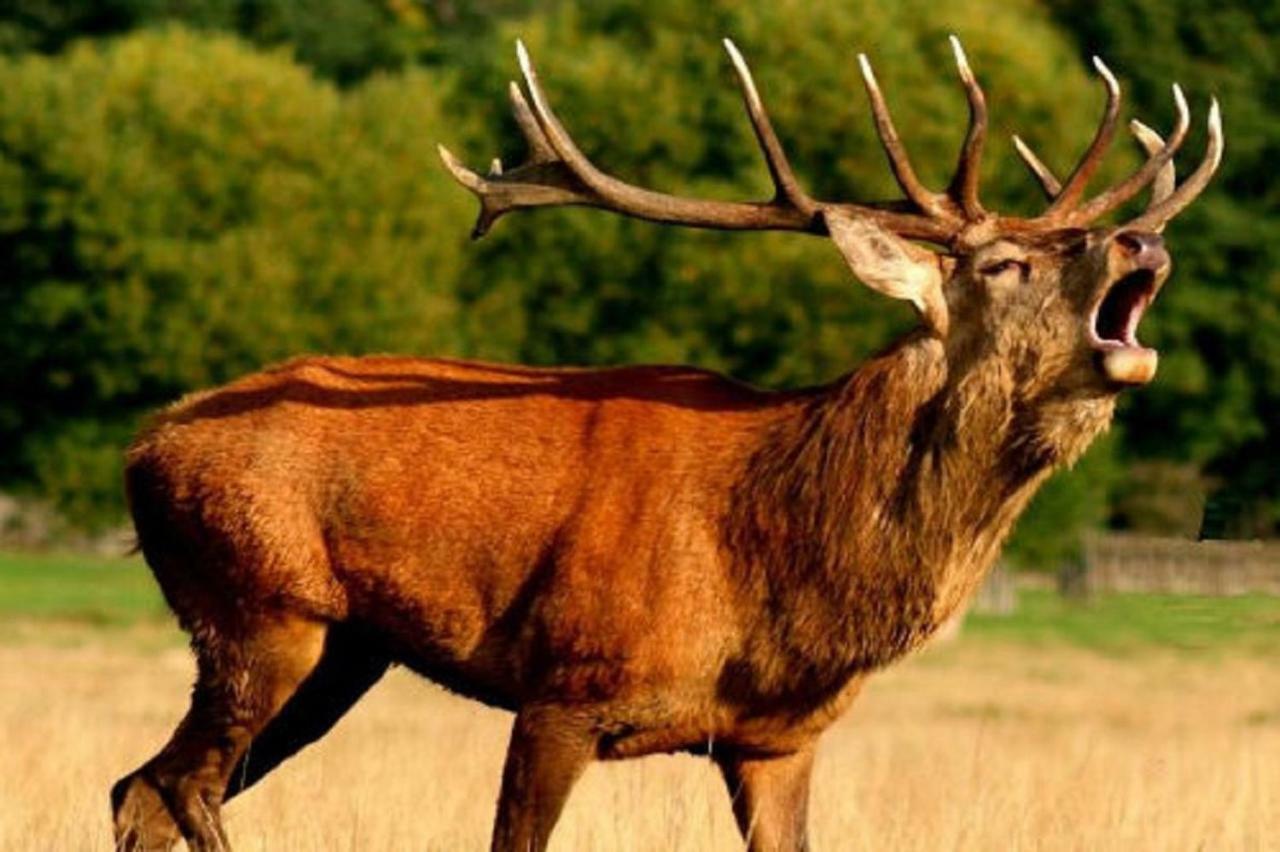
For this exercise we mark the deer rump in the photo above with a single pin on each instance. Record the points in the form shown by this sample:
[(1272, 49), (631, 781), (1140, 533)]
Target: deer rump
[(643, 559)]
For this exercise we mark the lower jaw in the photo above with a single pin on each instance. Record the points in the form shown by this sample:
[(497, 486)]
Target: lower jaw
[(1129, 365)]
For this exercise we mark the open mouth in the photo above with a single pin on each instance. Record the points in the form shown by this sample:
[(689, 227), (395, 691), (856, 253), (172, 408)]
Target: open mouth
[(1113, 328), (1116, 318)]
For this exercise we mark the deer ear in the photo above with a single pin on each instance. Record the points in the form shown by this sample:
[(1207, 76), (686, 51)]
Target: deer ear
[(891, 265)]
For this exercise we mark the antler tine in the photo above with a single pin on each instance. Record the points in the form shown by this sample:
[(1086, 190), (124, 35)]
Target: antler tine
[(1162, 187), (1131, 186), (964, 187), (1166, 208), (786, 187), (1069, 196), (540, 150), (899, 162), (553, 131), (1050, 184), (506, 191)]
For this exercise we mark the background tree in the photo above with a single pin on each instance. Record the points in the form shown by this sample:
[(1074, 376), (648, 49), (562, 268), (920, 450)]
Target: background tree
[(1216, 408), (344, 40), (176, 210), (179, 206)]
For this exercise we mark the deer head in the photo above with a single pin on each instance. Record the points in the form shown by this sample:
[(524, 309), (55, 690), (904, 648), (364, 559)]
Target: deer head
[(1056, 297)]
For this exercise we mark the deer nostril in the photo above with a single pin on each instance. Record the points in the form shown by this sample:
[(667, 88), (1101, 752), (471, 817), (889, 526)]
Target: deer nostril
[(1143, 249), (1136, 242)]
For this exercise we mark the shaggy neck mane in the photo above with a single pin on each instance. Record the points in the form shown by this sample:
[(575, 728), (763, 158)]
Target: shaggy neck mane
[(868, 513)]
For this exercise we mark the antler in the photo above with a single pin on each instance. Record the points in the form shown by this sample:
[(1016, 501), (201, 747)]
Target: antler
[(1065, 209), (1161, 188), (557, 173)]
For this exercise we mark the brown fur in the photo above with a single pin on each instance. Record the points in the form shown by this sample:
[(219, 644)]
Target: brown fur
[(634, 560)]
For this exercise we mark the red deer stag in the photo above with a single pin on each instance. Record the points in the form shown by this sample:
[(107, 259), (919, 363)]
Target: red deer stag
[(641, 559)]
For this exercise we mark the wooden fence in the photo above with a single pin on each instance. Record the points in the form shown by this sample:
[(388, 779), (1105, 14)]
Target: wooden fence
[(1131, 563)]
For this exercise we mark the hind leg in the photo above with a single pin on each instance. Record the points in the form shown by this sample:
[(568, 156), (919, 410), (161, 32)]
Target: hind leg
[(244, 677)]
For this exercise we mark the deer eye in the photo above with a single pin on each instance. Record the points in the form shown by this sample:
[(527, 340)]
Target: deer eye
[(1002, 267)]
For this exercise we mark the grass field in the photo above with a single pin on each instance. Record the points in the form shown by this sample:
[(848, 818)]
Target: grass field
[(1132, 722)]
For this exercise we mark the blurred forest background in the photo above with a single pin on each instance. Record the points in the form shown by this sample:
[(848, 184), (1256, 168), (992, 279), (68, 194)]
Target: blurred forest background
[(192, 189)]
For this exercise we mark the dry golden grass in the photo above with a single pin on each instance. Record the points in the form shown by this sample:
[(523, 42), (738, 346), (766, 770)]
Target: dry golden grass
[(971, 747)]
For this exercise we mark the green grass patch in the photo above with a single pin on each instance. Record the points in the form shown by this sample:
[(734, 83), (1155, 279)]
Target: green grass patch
[(1122, 623), (120, 592), (100, 591)]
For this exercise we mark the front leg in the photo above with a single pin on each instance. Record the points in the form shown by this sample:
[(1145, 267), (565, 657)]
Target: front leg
[(770, 798), (550, 748)]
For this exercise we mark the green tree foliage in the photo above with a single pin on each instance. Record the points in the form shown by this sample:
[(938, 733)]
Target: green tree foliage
[(1217, 403), (176, 210), (179, 208), (343, 40)]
